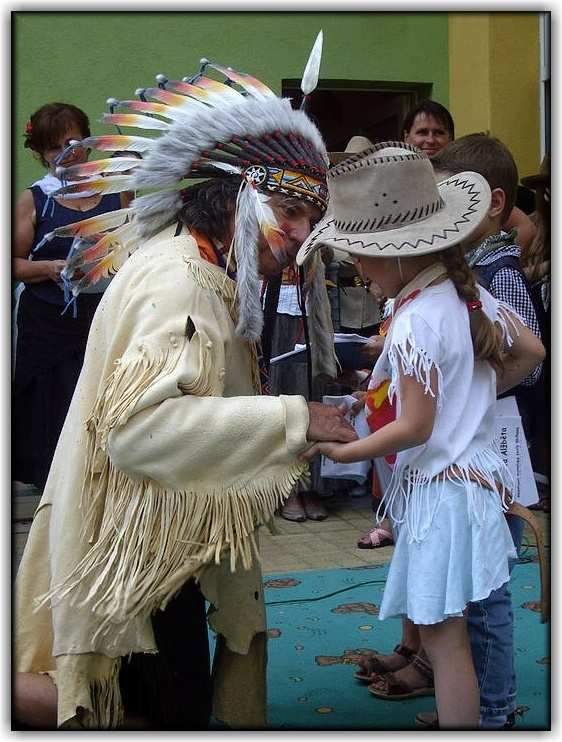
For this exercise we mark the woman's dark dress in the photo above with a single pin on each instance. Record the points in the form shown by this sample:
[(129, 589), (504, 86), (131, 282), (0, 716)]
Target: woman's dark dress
[(50, 347)]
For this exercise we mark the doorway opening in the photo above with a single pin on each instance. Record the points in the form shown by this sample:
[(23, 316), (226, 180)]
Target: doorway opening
[(345, 108)]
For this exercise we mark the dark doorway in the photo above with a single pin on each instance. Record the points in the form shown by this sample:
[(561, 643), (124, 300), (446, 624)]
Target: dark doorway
[(344, 108)]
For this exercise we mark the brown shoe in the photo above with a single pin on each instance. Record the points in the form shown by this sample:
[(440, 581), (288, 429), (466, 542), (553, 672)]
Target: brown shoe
[(313, 508), (293, 509)]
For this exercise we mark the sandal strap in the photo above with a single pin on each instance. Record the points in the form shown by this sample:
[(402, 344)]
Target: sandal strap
[(423, 667), (378, 534), (404, 651), (396, 687)]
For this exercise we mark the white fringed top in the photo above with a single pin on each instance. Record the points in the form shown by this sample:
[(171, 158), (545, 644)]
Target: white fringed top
[(431, 332)]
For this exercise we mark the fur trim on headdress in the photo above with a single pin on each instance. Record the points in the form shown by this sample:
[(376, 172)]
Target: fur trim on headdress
[(246, 234), (159, 209), (324, 359)]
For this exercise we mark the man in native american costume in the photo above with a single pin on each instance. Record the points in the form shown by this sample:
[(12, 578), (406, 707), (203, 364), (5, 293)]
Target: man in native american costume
[(170, 459)]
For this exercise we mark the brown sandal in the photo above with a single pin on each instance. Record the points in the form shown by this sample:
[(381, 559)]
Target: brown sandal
[(398, 690), (372, 663)]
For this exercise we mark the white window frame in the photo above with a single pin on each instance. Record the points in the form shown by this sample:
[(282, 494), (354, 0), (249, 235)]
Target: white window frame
[(544, 95)]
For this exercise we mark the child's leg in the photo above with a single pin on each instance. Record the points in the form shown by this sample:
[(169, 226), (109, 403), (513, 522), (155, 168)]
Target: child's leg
[(410, 634), (456, 689)]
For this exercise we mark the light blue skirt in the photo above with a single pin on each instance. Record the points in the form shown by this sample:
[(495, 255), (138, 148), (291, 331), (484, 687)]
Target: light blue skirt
[(463, 557)]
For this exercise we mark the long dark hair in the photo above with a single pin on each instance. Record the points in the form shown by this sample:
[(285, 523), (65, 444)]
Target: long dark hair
[(209, 206)]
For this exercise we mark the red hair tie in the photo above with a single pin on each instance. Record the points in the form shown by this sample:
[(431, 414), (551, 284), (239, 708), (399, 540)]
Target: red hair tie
[(473, 305), (28, 128)]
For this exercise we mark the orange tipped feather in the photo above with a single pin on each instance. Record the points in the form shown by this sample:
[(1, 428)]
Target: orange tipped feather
[(96, 167), (160, 109), (179, 101), (94, 224), (111, 184), (207, 83), (249, 83), (118, 142), (134, 119)]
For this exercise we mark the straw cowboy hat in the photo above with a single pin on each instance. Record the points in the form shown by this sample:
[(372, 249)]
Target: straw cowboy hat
[(355, 144), (384, 201)]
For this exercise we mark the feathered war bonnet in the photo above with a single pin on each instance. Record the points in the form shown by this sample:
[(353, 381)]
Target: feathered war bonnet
[(233, 128)]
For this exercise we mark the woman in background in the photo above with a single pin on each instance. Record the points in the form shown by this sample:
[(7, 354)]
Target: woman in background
[(50, 345)]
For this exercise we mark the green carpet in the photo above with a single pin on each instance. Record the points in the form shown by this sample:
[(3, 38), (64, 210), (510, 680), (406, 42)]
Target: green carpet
[(319, 622)]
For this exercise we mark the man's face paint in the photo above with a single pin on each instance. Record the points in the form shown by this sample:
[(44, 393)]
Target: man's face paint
[(275, 237), (294, 220)]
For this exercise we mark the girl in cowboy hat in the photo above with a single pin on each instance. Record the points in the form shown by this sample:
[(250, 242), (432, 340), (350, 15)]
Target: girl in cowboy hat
[(449, 349)]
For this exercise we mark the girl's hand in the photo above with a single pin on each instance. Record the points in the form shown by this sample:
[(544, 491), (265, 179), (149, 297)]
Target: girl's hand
[(361, 398), (331, 450)]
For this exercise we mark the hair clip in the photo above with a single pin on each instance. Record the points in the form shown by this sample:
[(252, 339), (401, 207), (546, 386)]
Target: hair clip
[(474, 305)]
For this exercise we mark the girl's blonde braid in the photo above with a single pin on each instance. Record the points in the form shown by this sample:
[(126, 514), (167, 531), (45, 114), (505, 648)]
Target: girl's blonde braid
[(486, 338)]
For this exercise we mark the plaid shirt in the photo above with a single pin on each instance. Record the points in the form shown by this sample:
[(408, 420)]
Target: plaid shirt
[(508, 285)]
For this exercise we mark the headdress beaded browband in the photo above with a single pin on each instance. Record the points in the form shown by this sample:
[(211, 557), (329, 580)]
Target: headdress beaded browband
[(236, 127)]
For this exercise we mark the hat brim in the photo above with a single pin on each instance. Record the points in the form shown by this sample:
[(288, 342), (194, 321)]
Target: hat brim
[(532, 181), (466, 199), (336, 157)]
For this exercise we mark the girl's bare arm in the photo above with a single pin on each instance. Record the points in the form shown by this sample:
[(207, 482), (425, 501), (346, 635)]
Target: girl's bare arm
[(412, 428)]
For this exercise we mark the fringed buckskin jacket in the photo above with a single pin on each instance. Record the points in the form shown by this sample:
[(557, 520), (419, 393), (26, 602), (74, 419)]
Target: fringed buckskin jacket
[(167, 464)]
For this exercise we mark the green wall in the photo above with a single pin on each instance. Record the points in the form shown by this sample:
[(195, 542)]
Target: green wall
[(84, 58)]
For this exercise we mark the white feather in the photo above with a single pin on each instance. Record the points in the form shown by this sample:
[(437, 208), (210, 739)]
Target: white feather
[(246, 232), (264, 211), (234, 169), (312, 69)]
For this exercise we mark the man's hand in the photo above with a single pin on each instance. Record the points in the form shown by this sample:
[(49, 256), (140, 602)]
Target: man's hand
[(328, 423), (373, 347), (331, 450)]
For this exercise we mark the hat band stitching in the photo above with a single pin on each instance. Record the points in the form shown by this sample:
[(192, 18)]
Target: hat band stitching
[(360, 156), (424, 212), (350, 165), (437, 235)]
